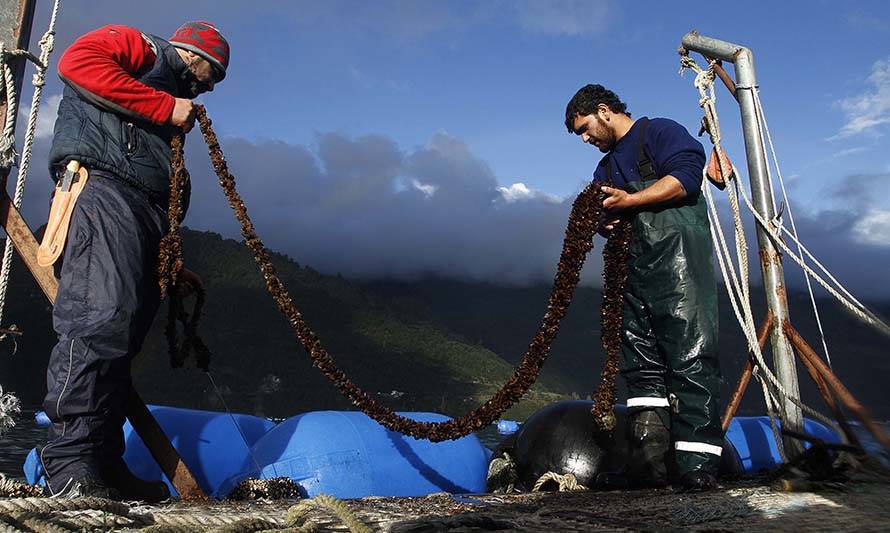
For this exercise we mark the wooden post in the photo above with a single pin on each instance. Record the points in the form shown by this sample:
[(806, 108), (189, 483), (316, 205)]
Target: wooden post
[(15, 31), (742, 386), (843, 394)]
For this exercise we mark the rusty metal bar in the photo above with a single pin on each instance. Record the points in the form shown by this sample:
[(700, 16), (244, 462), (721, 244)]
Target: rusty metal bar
[(843, 394), (829, 399), (724, 77), (740, 388)]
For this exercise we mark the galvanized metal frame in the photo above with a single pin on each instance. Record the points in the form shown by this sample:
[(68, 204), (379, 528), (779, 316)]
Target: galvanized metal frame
[(770, 258)]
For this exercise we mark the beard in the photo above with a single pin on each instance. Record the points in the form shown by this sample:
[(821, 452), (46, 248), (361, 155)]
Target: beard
[(605, 134)]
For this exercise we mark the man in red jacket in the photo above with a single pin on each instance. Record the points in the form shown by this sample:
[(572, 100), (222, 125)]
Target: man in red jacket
[(126, 95)]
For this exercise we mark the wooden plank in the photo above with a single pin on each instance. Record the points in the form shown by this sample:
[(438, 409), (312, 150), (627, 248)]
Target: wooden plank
[(26, 245)]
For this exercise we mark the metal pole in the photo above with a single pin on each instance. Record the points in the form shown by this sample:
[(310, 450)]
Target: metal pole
[(770, 259)]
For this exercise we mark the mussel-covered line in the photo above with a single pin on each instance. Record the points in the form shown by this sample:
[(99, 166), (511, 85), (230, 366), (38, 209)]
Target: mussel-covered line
[(615, 267), (170, 264), (580, 230)]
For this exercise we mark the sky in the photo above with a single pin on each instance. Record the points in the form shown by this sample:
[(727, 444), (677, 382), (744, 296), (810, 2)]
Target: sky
[(412, 138)]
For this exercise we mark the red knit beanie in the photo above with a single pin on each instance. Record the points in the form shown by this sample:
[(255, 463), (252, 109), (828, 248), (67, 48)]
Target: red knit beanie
[(204, 39)]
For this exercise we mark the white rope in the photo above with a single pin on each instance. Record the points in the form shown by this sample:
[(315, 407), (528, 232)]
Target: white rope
[(47, 42), (7, 142), (737, 286), (853, 305), (763, 128)]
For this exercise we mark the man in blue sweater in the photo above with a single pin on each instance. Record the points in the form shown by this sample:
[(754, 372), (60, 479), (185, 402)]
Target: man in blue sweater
[(653, 169)]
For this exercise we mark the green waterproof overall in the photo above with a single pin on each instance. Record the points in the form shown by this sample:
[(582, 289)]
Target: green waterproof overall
[(669, 344)]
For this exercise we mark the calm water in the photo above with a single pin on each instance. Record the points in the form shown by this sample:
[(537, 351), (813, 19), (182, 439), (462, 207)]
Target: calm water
[(18, 441)]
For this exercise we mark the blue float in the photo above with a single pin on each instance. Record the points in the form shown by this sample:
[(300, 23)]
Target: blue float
[(209, 443), (349, 455), (754, 442)]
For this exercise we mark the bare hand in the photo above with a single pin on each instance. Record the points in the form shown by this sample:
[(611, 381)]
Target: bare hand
[(189, 282), (607, 224), (183, 114), (618, 199)]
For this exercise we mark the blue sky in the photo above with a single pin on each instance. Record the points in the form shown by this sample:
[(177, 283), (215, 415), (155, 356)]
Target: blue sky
[(387, 138)]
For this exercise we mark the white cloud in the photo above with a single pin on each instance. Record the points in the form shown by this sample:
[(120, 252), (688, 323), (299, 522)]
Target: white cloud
[(520, 191), (873, 228), (46, 117), (870, 109), (425, 188)]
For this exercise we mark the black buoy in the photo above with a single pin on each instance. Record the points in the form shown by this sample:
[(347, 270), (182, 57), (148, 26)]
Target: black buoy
[(565, 438)]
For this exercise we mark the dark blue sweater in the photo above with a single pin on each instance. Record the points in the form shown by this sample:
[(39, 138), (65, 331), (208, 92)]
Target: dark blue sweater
[(671, 148)]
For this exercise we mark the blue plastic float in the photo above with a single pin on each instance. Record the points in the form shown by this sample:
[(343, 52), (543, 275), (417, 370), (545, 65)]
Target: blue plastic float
[(754, 442), (348, 455), (208, 442)]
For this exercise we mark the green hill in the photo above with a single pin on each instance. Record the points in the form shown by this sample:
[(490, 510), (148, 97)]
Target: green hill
[(257, 362), (433, 344)]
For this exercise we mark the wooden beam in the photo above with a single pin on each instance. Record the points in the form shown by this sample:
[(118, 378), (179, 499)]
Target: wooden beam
[(26, 245)]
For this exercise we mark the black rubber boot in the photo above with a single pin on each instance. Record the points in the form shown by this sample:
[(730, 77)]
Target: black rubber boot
[(132, 488), (648, 447), (696, 481)]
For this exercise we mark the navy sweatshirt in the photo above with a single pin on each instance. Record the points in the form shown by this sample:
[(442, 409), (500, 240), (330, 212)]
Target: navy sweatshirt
[(670, 147)]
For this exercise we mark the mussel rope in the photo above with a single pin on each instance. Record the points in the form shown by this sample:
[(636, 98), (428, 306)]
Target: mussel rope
[(582, 225), (170, 264)]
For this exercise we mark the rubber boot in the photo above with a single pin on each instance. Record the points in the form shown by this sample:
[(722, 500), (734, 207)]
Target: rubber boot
[(696, 481), (132, 488), (87, 487), (648, 448)]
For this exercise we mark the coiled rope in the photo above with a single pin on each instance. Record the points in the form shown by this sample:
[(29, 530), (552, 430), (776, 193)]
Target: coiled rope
[(583, 221)]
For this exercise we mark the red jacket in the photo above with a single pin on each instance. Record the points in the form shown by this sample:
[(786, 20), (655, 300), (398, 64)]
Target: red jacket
[(106, 63)]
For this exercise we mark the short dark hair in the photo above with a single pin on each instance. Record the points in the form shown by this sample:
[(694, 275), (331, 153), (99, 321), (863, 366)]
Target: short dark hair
[(586, 101)]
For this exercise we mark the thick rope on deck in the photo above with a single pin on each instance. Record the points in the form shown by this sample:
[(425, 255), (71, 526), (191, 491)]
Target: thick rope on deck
[(51, 505), (297, 515), (583, 222), (564, 482)]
